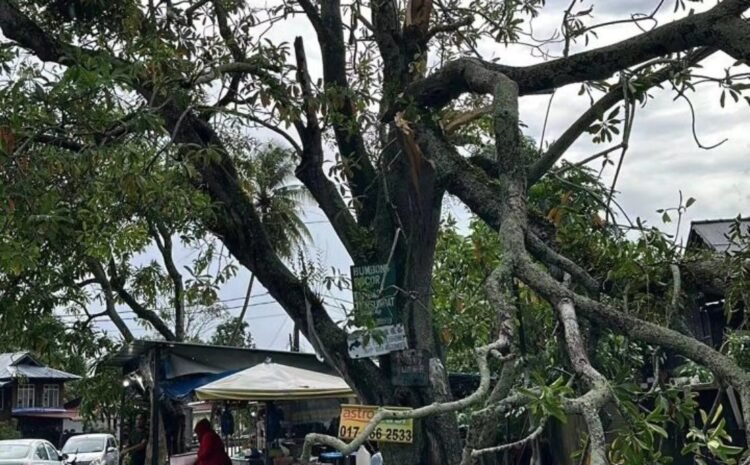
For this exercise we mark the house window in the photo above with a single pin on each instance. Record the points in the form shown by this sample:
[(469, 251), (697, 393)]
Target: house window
[(51, 396), (25, 396)]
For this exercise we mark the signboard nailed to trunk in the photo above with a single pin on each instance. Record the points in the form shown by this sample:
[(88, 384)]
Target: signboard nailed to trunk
[(411, 368), (361, 345), (374, 293)]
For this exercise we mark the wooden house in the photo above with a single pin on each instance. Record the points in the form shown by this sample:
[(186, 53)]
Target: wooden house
[(32, 394)]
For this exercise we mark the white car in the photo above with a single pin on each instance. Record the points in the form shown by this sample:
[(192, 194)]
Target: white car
[(92, 449), (29, 452)]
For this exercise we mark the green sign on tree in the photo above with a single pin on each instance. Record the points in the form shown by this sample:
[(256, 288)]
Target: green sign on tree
[(374, 293)]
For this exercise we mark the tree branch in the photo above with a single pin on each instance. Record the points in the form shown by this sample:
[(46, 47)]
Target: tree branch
[(477, 453), (100, 276), (237, 224), (590, 405), (57, 141), (421, 412), (141, 312), (734, 35), (499, 294), (163, 240), (451, 27), (194, 7), (19, 28), (310, 169), (226, 32), (721, 365), (697, 30), (313, 15), (596, 111), (462, 119), (235, 339), (255, 67), (330, 31), (387, 32), (546, 254)]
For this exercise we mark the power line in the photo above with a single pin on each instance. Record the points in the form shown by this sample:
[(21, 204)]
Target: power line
[(193, 310), (209, 310), (283, 325), (67, 318), (252, 318)]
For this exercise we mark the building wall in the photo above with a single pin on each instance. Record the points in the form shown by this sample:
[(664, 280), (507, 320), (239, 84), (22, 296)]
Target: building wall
[(6, 397)]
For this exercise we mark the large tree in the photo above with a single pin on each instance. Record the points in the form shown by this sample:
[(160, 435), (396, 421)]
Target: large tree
[(414, 112)]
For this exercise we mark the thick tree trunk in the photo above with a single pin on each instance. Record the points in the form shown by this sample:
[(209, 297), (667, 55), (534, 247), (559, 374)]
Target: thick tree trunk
[(414, 224)]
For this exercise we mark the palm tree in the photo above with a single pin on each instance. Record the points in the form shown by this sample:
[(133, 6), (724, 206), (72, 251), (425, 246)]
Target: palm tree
[(279, 202)]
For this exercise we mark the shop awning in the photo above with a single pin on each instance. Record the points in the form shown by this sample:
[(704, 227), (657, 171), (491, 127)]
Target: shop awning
[(181, 388), (273, 381)]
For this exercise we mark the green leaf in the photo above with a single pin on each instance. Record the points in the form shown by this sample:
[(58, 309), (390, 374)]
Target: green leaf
[(658, 430), (725, 450), (559, 413), (717, 415)]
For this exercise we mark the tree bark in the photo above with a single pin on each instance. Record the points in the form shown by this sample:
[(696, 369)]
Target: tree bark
[(409, 213)]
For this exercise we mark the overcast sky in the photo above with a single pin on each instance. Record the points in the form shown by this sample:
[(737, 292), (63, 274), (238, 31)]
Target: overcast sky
[(663, 158)]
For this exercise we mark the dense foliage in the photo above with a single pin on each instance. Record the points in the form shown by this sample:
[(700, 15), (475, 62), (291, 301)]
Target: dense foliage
[(649, 422), (224, 335)]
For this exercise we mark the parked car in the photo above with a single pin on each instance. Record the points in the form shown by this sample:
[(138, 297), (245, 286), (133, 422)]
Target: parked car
[(91, 449), (29, 452)]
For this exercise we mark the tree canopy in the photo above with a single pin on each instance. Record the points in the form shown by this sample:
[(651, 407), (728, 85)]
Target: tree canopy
[(224, 335), (127, 125)]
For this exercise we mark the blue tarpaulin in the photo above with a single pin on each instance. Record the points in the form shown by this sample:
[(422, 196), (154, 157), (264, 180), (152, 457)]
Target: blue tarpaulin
[(182, 387)]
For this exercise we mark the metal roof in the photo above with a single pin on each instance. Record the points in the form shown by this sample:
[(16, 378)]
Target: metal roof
[(15, 365), (714, 234), (182, 359)]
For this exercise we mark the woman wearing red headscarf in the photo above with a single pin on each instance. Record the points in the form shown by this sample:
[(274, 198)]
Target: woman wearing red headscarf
[(211, 450)]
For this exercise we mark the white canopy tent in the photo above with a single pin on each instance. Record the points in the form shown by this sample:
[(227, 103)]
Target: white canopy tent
[(272, 381)]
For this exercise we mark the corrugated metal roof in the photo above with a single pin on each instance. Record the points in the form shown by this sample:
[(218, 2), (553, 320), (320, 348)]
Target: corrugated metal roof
[(23, 365), (715, 234), (181, 358), (26, 371)]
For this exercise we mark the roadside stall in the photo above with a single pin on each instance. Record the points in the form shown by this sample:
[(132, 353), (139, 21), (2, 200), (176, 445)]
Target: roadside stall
[(161, 377), (293, 402)]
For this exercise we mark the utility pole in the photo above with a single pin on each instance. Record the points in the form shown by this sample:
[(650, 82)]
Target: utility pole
[(295, 339)]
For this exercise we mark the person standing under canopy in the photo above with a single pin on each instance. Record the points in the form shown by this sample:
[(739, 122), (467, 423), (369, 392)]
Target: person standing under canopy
[(227, 423), (211, 449), (138, 440)]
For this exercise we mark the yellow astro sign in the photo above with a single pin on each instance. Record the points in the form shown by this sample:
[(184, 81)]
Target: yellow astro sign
[(354, 418)]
